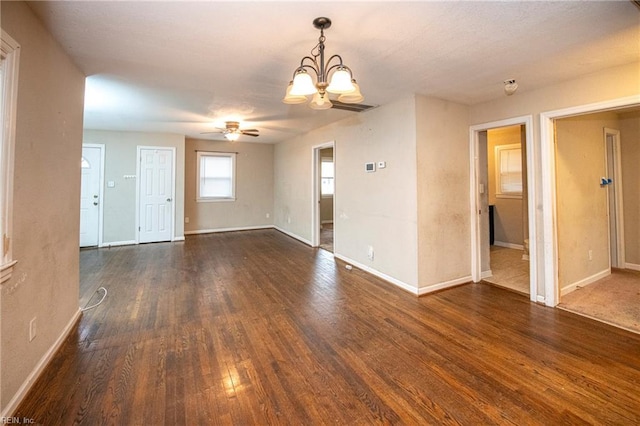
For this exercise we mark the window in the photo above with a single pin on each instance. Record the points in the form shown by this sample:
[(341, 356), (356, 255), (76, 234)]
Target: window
[(508, 171), (9, 59), (326, 177), (216, 176)]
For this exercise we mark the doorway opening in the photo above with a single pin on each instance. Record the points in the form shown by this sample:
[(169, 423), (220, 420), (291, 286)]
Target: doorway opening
[(323, 208), (507, 198), (596, 160), (552, 253), (501, 205)]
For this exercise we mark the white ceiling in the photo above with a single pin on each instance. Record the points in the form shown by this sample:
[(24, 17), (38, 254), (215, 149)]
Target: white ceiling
[(182, 66)]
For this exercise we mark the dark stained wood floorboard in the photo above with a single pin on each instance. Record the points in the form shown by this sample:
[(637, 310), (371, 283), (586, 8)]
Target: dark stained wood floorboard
[(256, 328)]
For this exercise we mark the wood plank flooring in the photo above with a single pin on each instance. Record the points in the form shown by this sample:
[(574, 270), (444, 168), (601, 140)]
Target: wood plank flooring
[(256, 328)]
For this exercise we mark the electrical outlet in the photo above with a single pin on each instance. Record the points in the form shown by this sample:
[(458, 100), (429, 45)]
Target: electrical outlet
[(590, 254), (32, 329), (186, 220), (268, 215), (370, 252)]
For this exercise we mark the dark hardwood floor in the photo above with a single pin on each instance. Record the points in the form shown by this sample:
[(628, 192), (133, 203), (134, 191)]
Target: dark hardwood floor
[(256, 328)]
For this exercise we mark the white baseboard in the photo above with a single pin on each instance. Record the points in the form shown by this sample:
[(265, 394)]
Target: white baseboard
[(39, 368), (508, 245), (584, 282), (178, 239), (292, 235), (411, 289), (486, 274), (632, 266), (324, 222), (443, 285), (239, 228), (119, 243)]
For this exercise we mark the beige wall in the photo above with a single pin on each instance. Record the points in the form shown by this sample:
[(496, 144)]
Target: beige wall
[(582, 208), (46, 203), (630, 153), (444, 227), (119, 204), (613, 83), (253, 206), (507, 213), (372, 209)]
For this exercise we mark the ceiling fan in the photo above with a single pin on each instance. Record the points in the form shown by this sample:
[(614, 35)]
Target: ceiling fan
[(232, 131)]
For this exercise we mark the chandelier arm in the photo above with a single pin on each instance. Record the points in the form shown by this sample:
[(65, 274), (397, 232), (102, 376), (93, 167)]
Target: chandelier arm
[(307, 66)]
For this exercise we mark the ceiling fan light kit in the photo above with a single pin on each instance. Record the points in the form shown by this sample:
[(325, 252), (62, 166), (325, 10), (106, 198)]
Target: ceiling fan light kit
[(232, 131), (332, 77)]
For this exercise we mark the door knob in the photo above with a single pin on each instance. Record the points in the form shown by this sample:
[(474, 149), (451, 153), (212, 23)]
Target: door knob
[(168, 200), (95, 203)]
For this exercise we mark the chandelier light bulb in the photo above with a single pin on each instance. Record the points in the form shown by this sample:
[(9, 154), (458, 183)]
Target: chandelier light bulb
[(352, 97), (292, 100), (341, 82), (302, 84), (320, 101)]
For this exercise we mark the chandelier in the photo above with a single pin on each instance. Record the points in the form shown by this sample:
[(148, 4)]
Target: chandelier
[(331, 77)]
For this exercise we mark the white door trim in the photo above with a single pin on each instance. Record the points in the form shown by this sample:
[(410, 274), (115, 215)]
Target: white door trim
[(548, 190), (474, 199), (139, 149), (100, 146), (618, 196), (315, 190)]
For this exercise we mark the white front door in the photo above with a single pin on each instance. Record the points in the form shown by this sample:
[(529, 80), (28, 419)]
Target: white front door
[(156, 194), (90, 196)]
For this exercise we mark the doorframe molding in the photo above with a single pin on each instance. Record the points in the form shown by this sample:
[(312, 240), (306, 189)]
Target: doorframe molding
[(139, 149), (474, 198), (102, 148), (315, 190), (548, 189), (619, 196)]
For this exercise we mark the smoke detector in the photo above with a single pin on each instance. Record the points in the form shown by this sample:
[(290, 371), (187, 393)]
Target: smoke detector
[(510, 87)]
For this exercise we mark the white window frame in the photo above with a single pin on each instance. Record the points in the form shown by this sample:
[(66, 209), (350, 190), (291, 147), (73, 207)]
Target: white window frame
[(327, 160), (10, 51), (499, 150), (199, 156)]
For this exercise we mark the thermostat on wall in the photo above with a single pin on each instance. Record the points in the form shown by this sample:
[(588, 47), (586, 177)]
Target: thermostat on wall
[(370, 167)]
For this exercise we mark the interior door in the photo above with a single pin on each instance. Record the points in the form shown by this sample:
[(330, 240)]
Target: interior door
[(90, 196), (156, 195)]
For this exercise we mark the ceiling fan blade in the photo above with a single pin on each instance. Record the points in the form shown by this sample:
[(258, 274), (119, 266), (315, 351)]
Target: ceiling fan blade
[(209, 133), (250, 134), (250, 130)]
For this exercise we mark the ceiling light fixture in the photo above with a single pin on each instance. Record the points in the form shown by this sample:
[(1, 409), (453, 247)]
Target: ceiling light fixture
[(331, 77), (232, 136), (510, 87)]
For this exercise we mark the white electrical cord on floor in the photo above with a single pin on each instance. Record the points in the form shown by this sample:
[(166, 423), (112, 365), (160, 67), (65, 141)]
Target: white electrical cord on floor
[(96, 304)]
